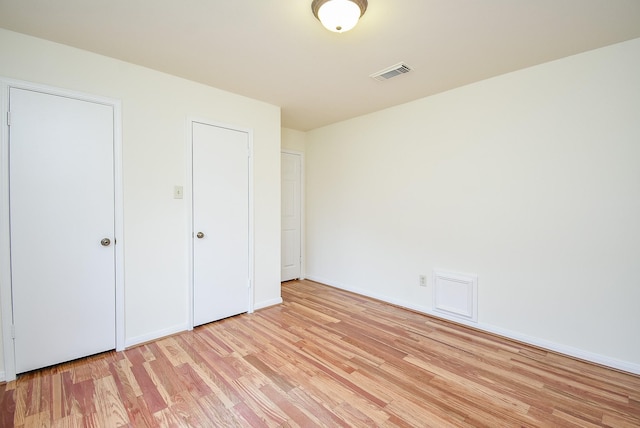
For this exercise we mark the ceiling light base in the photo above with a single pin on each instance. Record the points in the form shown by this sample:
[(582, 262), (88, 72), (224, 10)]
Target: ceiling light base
[(339, 15)]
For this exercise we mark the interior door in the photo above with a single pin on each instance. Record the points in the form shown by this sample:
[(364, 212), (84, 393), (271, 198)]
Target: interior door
[(220, 222), (61, 171), (291, 182)]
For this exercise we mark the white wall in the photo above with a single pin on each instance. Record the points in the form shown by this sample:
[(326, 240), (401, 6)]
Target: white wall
[(293, 140), (530, 180), (155, 108)]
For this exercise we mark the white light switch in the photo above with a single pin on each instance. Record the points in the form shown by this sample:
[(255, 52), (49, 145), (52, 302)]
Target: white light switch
[(177, 192)]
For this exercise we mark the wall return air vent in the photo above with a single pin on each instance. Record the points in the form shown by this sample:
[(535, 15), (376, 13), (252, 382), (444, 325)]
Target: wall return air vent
[(389, 72)]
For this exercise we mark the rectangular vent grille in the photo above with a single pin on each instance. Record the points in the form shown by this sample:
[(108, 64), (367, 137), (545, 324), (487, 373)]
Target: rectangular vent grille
[(389, 72), (455, 295)]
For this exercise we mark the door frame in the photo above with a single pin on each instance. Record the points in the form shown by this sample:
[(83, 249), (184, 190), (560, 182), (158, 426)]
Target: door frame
[(188, 195), (303, 257), (6, 303)]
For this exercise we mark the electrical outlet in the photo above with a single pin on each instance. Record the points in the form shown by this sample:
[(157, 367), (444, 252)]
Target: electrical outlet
[(423, 280)]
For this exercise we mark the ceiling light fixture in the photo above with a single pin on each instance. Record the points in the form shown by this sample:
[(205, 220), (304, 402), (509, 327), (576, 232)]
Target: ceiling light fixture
[(339, 15)]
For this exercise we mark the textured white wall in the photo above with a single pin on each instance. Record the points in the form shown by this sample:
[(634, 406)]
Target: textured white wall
[(155, 107), (530, 180)]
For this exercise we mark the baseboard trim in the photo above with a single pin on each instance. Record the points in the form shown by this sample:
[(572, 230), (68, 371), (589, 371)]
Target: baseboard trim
[(569, 351), (138, 340), (267, 303), (2, 377)]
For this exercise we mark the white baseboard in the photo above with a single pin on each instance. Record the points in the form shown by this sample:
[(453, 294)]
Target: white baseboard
[(267, 303), (137, 340), (2, 377), (534, 341)]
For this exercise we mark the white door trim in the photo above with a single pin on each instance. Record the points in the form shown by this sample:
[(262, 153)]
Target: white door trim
[(188, 197), (6, 304), (303, 257)]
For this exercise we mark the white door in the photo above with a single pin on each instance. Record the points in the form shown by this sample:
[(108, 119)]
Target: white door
[(220, 222), (291, 182), (61, 171)]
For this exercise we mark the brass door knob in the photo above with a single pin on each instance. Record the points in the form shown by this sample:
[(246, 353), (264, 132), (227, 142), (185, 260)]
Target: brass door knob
[(105, 242), (200, 235)]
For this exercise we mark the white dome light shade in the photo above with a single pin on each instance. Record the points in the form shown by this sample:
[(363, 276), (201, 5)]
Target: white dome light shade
[(339, 15)]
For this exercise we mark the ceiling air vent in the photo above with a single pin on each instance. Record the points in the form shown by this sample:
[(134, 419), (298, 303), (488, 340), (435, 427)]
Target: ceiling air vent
[(389, 72)]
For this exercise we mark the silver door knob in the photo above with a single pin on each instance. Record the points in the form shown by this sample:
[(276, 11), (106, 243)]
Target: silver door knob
[(105, 242), (200, 235)]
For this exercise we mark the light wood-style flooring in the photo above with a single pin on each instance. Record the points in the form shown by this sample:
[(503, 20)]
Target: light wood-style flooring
[(324, 358)]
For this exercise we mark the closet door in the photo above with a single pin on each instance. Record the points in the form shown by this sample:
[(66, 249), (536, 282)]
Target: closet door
[(61, 171), (220, 222), (291, 191)]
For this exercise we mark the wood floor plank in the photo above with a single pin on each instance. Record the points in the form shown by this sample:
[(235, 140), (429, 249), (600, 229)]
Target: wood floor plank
[(110, 410), (257, 406), (348, 404), (330, 358), (71, 421), (150, 391), (296, 416), (7, 406), (316, 408), (206, 370), (217, 413), (142, 416)]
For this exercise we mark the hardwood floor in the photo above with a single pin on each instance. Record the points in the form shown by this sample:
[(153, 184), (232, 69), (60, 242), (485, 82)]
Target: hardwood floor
[(324, 358)]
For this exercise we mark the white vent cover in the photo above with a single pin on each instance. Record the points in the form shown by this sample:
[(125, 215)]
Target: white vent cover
[(389, 72), (455, 295)]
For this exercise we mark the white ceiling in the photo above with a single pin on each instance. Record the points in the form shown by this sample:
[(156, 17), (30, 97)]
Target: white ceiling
[(276, 51)]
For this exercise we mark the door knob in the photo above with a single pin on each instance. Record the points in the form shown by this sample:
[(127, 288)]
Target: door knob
[(200, 235), (105, 242)]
